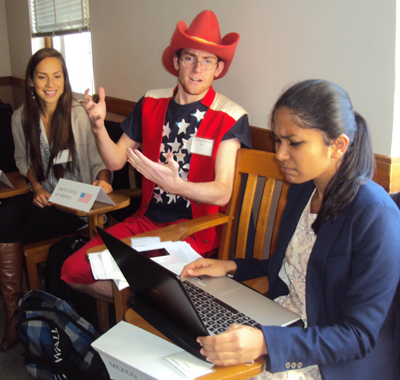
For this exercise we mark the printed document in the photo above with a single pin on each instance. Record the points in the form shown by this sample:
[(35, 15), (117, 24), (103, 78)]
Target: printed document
[(174, 257)]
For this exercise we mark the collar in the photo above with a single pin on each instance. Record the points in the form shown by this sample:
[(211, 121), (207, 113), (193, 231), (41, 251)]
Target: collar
[(206, 101)]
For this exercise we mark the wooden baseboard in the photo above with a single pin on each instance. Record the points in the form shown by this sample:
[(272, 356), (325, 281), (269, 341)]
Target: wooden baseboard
[(12, 81), (387, 170), (5, 81)]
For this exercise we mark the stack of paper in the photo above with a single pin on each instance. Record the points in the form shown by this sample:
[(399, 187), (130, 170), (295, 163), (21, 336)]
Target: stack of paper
[(180, 253)]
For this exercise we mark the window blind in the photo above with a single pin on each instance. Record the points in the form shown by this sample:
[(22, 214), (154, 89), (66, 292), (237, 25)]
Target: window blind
[(59, 17)]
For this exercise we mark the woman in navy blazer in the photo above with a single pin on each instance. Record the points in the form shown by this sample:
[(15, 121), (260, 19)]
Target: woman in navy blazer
[(337, 260)]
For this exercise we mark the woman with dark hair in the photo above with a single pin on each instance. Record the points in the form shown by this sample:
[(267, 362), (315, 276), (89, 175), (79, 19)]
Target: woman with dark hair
[(337, 261), (53, 139)]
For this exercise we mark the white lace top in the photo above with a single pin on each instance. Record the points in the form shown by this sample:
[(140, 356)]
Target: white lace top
[(293, 273)]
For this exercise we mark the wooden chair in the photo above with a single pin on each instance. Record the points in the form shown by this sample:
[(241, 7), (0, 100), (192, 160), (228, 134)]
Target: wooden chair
[(256, 172), (37, 252)]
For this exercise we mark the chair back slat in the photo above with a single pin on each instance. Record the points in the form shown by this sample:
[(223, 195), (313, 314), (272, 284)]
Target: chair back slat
[(253, 168), (262, 218), (278, 216), (245, 215), (232, 211)]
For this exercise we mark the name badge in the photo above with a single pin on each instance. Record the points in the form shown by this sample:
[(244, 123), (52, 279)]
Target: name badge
[(62, 157), (202, 146)]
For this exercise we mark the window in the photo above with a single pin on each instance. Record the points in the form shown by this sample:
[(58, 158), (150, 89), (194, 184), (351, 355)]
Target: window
[(64, 24), (77, 52)]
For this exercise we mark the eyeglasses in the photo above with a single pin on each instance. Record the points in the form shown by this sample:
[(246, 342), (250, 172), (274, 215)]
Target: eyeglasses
[(190, 62)]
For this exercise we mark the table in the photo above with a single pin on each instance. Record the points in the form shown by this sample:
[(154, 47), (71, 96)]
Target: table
[(95, 214), (19, 183), (236, 372)]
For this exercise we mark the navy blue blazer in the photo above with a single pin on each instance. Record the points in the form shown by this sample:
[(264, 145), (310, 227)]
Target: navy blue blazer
[(352, 275)]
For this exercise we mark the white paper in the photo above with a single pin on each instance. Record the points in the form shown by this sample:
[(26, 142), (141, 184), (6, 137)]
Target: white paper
[(5, 180), (180, 254), (104, 266), (144, 241), (78, 195), (188, 365), (129, 353)]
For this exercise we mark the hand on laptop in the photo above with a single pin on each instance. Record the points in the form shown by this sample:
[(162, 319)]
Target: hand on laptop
[(239, 344), (209, 267)]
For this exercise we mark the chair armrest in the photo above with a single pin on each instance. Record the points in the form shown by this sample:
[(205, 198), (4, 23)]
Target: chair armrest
[(260, 284), (182, 230)]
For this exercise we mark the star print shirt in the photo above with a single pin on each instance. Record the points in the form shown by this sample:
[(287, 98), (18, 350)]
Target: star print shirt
[(180, 126)]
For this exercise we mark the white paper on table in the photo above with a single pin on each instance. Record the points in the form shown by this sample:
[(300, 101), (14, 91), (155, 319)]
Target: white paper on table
[(188, 365), (144, 241), (180, 254), (104, 266)]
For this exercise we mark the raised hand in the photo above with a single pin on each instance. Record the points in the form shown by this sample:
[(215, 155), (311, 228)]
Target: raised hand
[(96, 111)]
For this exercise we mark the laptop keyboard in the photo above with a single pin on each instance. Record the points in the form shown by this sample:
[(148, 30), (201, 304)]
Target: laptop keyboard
[(216, 315)]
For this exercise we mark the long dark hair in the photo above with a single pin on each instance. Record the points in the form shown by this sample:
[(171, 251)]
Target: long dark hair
[(324, 106), (61, 134)]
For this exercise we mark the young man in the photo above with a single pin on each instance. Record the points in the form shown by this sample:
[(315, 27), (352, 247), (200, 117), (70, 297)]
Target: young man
[(189, 138)]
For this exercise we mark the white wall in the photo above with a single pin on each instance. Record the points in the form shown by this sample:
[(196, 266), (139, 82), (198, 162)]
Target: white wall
[(351, 42), (19, 36), (5, 67), (396, 116), (348, 42)]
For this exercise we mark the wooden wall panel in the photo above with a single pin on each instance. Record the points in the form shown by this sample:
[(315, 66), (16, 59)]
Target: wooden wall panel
[(5, 81)]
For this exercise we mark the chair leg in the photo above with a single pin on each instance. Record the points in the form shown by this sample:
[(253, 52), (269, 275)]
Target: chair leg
[(121, 302), (102, 315), (33, 257), (31, 268)]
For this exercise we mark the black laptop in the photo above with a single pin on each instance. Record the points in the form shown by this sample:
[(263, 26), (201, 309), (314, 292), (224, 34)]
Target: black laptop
[(183, 309)]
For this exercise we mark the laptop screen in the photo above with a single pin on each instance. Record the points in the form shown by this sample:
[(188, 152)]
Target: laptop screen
[(156, 286)]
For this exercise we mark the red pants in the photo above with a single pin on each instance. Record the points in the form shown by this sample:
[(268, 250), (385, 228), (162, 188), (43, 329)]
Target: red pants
[(76, 268)]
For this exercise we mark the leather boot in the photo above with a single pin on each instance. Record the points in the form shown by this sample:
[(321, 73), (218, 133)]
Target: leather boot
[(11, 265)]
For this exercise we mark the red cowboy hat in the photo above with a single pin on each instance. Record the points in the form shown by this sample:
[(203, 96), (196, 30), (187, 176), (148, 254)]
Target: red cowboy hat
[(202, 34)]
